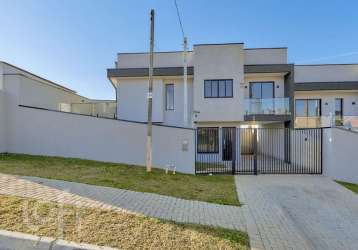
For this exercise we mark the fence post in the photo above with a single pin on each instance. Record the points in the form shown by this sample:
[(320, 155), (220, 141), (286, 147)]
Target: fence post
[(255, 151), (321, 153), (233, 150), (195, 149)]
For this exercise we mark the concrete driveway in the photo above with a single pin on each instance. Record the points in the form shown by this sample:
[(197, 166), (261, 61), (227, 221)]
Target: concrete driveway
[(298, 212)]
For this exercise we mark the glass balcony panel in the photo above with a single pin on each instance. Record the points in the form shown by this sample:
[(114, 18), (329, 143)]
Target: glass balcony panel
[(269, 106)]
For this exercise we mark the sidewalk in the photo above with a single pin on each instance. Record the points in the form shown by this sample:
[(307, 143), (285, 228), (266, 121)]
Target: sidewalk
[(153, 205)]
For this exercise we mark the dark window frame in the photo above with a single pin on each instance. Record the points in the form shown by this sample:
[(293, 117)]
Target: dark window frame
[(218, 88), (216, 144), (166, 96), (306, 108), (273, 88)]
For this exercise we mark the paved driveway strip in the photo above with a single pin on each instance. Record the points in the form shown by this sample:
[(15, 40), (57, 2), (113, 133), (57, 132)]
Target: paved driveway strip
[(154, 205), (298, 212)]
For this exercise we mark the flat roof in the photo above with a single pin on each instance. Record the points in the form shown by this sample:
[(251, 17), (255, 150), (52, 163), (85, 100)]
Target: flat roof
[(144, 72)]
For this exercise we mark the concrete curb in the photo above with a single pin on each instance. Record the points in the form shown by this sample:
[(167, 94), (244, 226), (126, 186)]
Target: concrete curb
[(20, 241)]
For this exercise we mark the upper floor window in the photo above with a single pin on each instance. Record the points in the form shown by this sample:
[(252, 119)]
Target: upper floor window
[(218, 88), (261, 90), (169, 96), (308, 107)]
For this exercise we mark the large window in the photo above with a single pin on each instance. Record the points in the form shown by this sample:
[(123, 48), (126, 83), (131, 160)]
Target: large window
[(308, 107), (208, 140), (218, 88), (169, 96), (261, 90), (338, 111)]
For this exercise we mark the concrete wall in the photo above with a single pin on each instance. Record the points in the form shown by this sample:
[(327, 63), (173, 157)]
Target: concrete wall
[(266, 56), (219, 62), (326, 73), (340, 154), (40, 132), (161, 59)]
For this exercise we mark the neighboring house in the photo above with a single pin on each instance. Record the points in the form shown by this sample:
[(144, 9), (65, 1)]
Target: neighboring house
[(28, 89), (326, 95), (233, 86)]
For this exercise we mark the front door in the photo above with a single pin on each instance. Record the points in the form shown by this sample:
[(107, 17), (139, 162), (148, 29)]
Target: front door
[(228, 143)]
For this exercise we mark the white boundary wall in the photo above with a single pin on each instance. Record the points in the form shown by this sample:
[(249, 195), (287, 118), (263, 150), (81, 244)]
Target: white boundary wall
[(42, 132), (340, 155)]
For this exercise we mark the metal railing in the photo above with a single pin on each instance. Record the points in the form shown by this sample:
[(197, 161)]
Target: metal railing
[(347, 121), (98, 109), (271, 106), (259, 151)]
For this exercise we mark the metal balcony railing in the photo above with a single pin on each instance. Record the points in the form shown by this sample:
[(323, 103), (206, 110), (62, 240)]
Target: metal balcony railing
[(347, 121), (271, 106), (98, 109)]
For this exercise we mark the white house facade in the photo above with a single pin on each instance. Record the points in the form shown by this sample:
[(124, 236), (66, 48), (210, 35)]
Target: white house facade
[(230, 85)]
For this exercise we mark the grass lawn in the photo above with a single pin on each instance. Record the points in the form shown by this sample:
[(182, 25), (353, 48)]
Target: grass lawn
[(350, 186), (216, 189), (111, 228)]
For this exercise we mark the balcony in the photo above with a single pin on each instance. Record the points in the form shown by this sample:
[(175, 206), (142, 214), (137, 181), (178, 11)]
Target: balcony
[(272, 109), (348, 121)]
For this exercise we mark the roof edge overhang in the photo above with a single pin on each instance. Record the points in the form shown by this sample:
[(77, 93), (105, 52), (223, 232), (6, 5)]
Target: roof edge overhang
[(144, 72), (268, 68), (312, 86)]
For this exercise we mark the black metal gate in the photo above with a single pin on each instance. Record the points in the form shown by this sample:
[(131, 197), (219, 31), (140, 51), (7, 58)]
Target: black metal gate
[(258, 151)]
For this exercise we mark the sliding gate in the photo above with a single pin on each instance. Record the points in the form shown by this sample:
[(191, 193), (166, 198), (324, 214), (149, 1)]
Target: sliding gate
[(258, 151)]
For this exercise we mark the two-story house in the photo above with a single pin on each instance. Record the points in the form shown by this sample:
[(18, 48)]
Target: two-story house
[(233, 86), (228, 86)]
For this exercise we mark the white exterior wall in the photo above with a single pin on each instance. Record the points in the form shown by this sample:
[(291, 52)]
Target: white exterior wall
[(326, 73), (132, 102), (41, 132), (340, 155), (36, 94), (219, 62), (350, 110), (279, 81), (34, 91), (266, 56), (161, 59), (176, 117)]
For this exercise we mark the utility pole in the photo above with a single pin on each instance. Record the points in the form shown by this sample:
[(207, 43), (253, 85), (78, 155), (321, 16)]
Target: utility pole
[(150, 95), (185, 83)]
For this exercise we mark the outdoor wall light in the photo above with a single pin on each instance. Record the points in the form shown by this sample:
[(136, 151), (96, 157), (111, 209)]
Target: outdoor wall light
[(326, 103), (353, 103)]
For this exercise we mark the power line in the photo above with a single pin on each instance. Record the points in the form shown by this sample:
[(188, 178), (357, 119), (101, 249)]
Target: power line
[(179, 18)]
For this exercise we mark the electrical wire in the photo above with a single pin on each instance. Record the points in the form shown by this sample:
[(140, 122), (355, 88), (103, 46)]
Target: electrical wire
[(179, 18)]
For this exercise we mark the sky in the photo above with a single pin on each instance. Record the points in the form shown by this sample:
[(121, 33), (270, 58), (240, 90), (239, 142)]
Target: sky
[(73, 42)]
